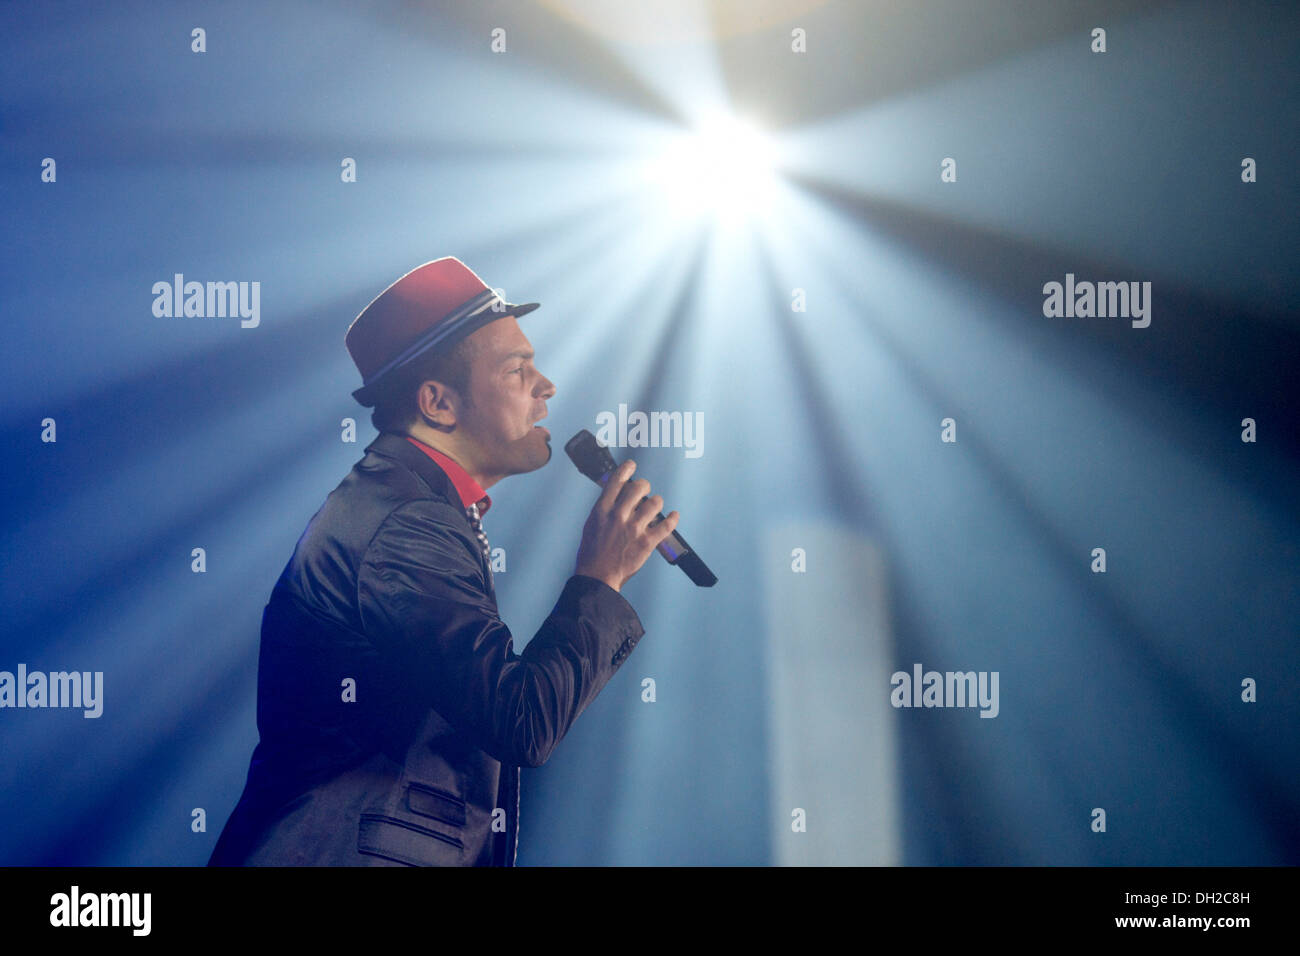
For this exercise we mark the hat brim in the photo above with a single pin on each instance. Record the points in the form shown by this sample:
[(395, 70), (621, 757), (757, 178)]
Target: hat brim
[(367, 395)]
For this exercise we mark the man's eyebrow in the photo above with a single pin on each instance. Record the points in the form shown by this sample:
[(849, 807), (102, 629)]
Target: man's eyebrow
[(516, 354)]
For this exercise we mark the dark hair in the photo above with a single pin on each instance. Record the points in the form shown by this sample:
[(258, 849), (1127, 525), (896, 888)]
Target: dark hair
[(397, 408)]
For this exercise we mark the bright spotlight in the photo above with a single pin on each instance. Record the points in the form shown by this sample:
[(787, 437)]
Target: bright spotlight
[(726, 169)]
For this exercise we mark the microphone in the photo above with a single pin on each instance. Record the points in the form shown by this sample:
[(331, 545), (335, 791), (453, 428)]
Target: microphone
[(594, 460)]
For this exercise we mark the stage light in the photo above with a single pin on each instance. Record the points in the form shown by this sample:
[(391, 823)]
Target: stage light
[(725, 169)]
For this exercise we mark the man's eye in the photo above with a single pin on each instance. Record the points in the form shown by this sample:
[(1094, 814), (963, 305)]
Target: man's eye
[(519, 369)]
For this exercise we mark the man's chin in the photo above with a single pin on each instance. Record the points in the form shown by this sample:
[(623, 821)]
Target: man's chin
[(537, 457)]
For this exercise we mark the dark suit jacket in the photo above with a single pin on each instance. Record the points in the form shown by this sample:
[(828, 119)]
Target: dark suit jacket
[(388, 588)]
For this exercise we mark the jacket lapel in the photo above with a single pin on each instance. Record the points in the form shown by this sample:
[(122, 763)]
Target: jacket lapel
[(395, 446)]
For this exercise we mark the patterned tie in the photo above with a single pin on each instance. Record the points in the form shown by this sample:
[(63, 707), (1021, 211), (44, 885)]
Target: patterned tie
[(477, 525)]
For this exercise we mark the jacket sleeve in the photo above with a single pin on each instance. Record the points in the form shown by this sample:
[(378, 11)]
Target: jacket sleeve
[(425, 606)]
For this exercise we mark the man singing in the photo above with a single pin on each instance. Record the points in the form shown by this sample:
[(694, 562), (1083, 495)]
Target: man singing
[(392, 708)]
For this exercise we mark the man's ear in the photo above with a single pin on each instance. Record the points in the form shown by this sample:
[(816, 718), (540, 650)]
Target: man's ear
[(438, 404)]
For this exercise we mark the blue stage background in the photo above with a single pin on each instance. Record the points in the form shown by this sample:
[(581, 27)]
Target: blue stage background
[(822, 427)]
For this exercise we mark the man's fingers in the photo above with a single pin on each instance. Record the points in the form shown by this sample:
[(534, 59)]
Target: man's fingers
[(614, 484), (647, 510), (629, 496), (666, 527)]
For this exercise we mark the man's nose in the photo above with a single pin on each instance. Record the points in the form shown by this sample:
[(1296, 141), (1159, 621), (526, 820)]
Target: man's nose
[(548, 388)]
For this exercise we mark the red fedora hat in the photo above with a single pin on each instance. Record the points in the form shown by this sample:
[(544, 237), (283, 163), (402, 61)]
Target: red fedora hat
[(432, 306)]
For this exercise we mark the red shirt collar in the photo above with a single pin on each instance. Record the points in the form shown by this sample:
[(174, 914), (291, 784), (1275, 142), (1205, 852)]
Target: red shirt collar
[(470, 491)]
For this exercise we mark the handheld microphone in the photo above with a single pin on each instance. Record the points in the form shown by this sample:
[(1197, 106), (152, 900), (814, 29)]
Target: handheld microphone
[(594, 460)]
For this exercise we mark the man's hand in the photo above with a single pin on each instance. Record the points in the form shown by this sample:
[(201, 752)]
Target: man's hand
[(618, 536)]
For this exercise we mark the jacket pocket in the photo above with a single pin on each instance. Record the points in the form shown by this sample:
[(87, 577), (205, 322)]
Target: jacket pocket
[(393, 839), (436, 804)]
